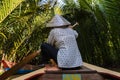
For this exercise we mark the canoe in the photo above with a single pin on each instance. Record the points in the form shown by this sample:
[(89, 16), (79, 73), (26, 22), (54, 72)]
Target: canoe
[(88, 72), (82, 74)]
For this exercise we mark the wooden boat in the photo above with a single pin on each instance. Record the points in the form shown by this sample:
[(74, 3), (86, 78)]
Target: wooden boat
[(106, 73), (83, 74), (95, 73), (88, 72)]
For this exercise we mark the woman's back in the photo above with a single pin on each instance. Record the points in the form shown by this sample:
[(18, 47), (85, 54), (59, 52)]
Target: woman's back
[(65, 40)]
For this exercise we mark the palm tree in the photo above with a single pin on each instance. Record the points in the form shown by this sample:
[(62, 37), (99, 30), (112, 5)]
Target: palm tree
[(99, 31), (22, 27), (7, 6)]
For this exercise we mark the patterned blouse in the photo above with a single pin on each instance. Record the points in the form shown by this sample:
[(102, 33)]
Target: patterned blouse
[(65, 40)]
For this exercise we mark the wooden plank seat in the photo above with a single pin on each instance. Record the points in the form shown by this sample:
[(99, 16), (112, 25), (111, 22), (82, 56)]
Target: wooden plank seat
[(83, 70), (70, 72), (82, 74), (81, 77)]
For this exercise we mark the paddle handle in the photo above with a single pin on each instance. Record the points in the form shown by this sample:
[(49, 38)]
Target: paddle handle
[(74, 25), (16, 67)]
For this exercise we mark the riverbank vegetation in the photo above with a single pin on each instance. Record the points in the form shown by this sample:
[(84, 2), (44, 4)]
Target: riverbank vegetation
[(22, 28)]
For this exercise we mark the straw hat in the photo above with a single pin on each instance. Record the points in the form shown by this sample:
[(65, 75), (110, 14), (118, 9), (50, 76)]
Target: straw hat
[(58, 21)]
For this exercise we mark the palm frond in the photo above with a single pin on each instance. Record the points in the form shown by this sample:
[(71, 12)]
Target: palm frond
[(4, 36), (67, 6), (7, 6)]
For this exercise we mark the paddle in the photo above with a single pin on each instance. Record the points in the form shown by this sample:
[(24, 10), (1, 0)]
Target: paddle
[(16, 67)]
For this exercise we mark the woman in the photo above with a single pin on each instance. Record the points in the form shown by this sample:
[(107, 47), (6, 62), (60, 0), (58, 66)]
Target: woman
[(62, 46)]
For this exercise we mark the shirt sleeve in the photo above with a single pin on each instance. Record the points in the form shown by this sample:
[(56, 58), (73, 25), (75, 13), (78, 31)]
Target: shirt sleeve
[(51, 38), (76, 34)]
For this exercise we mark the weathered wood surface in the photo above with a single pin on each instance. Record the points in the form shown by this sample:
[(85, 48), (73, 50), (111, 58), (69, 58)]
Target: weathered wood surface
[(31, 74), (85, 73), (94, 76), (103, 70), (91, 68), (15, 68)]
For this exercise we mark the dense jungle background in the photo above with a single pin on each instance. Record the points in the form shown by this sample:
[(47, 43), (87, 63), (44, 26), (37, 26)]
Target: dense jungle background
[(22, 28)]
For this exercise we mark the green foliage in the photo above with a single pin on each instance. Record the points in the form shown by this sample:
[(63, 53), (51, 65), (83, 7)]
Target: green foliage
[(7, 6), (22, 28), (99, 37)]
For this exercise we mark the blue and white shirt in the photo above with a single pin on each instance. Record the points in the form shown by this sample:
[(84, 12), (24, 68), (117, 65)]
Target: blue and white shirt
[(65, 40)]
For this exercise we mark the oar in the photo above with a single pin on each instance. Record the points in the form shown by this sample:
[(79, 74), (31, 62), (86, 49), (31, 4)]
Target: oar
[(19, 65), (74, 25)]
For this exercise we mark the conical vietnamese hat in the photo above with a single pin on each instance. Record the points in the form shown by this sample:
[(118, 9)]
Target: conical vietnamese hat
[(58, 21)]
